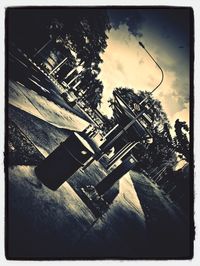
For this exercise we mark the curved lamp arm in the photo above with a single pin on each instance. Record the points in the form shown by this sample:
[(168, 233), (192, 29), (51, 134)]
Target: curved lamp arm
[(142, 45)]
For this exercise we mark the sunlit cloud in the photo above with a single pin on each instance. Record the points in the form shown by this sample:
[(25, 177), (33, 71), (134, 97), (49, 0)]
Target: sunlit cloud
[(125, 64)]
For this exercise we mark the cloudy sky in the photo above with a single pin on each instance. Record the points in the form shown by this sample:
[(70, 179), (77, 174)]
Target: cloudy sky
[(166, 35)]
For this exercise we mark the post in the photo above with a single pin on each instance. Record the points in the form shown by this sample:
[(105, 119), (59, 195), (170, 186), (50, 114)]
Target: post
[(107, 134), (123, 152), (115, 175), (61, 63), (109, 144), (73, 80), (42, 48)]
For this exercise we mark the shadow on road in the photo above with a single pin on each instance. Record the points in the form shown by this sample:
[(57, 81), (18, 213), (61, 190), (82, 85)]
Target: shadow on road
[(168, 229)]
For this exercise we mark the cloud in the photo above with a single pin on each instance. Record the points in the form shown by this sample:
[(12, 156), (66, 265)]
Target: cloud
[(179, 69), (183, 115), (163, 42), (141, 61), (131, 17), (119, 67), (126, 64)]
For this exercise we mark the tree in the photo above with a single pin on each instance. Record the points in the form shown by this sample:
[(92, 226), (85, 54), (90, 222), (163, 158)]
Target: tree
[(86, 36), (84, 32), (181, 140), (58, 32), (89, 36), (155, 111), (161, 151), (93, 94)]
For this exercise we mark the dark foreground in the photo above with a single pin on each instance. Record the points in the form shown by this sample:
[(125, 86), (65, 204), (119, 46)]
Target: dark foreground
[(141, 222)]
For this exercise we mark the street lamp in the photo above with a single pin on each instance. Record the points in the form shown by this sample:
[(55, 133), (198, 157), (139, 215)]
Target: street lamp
[(162, 77)]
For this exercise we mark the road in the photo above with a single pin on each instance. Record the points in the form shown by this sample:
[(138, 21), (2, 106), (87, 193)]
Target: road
[(141, 221), (27, 73)]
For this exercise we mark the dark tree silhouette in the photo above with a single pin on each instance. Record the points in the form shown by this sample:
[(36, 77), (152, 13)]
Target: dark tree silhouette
[(50, 35), (87, 38), (93, 94), (181, 140), (161, 151)]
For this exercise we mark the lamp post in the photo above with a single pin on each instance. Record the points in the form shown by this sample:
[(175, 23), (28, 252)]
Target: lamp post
[(162, 73)]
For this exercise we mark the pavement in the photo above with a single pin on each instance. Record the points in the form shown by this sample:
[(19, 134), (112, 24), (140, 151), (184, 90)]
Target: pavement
[(43, 108), (30, 75), (169, 229), (141, 221)]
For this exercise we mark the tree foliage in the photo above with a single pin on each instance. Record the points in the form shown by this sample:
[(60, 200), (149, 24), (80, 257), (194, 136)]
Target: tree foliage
[(93, 94), (161, 151), (181, 140), (88, 39), (82, 31)]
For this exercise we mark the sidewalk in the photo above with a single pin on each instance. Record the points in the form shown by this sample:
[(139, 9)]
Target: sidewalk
[(45, 224), (58, 224), (48, 224), (39, 106)]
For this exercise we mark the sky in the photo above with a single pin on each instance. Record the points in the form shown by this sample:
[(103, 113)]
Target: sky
[(166, 35)]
